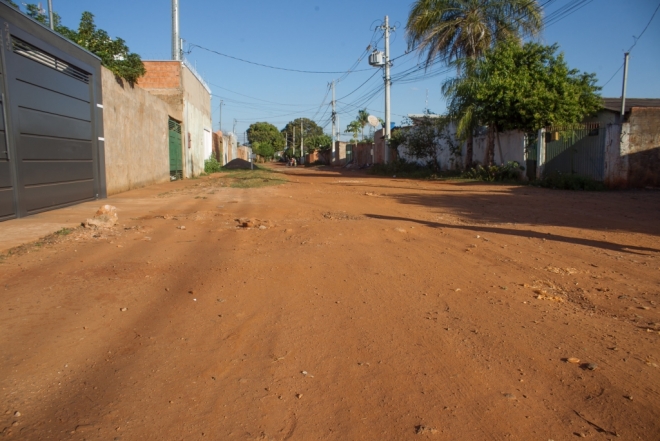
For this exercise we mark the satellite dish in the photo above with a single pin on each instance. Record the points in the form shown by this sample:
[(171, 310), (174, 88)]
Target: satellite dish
[(373, 121)]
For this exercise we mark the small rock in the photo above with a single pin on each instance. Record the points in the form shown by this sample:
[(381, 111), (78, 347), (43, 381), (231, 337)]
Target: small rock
[(17, 414), (105, 217), (510, 396), (573, 360), (422, 430), (629, 397), (181, 227), (592, 366), (263, 227), (299, 396), (123, 309)]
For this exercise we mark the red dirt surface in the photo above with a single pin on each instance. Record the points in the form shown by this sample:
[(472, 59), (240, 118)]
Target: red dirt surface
[(364, 308)]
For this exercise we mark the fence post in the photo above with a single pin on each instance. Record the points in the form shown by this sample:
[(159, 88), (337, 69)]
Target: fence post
[(540, 154)]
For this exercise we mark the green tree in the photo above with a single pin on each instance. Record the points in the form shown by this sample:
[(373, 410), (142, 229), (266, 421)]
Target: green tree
[(363, 120), (114, 54), (12, 4), (455, 30), (354, 128), (321, 142), (265, 139), (523, 88), (310, 129)]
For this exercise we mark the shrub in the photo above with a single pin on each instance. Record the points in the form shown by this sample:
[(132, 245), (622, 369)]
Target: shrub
[(511, 171), (212, 165), (570, 182)]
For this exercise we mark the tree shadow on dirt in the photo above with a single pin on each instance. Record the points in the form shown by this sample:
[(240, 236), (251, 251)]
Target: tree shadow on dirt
[(622, 211), (528, 234)]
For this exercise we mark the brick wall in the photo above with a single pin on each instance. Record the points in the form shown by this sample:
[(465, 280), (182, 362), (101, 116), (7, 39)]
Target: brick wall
[(161, 75)]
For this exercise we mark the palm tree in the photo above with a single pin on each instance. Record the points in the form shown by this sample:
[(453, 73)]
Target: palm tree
[(363, 120), (354, 127), (454, 31)]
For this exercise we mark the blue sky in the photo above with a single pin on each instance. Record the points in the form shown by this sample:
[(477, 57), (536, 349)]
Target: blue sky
[(331, 36)]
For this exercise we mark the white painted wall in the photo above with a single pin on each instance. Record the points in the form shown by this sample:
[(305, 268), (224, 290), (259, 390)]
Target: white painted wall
[(511, 147), (208, 143)]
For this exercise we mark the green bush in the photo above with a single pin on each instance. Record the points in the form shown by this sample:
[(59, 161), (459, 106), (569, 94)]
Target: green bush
[(511, 171), (570, 182), (212, 165), (411, 170)]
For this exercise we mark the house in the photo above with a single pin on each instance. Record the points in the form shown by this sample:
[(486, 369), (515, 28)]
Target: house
[(188, 98), (619, 151)]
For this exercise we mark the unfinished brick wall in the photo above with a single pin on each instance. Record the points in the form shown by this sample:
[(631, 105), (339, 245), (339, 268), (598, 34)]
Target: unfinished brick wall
[(644, 147), (161, 75)]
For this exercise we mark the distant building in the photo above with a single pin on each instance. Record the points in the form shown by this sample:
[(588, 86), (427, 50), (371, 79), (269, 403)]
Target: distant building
[(189, 100)]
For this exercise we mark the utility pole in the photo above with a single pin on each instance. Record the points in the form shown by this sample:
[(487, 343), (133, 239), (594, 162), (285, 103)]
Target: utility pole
[(293, 146), (302, 142), (222, 103), (388, 82), (50, 14), (625, 81), (334, 121), (234, 131), (176, 40)]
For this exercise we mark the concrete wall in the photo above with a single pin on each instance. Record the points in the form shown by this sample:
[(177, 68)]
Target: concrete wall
[(510, 147), (136, 136), (218, 147), (230, 145), (644, 147), (340, 154), (196, 119), (244, 152)]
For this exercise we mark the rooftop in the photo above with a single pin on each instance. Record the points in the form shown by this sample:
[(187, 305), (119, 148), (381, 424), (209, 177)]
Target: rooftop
[(614, 104)]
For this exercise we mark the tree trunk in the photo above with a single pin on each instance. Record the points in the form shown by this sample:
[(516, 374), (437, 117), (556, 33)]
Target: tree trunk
[(469, 151), (490, 156)]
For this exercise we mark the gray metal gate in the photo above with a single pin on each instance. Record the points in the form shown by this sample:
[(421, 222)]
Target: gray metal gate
[(54, 152), (576, 150)]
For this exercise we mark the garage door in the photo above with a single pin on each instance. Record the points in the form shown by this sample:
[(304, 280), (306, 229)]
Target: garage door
[(7, 208), (51, 108)]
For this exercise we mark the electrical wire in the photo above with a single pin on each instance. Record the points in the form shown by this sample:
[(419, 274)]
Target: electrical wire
[(192, 45), (634, 44)]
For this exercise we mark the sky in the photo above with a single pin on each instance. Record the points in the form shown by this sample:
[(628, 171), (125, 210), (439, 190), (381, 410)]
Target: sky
[(332, 35)]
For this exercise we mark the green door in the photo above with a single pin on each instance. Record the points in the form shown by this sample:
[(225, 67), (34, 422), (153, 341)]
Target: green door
[(176, 164)]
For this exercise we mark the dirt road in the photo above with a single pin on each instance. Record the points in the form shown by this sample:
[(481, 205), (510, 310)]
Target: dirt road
[(364, 308)]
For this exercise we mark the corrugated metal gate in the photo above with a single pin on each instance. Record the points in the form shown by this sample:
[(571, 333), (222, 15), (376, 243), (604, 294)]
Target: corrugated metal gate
[(176, 162), (576, 150), (52, 156)]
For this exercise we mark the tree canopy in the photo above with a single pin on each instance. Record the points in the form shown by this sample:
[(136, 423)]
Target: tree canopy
[(265, 139), (458, 29), (310, 129), (321, 142), (524, 88), (114, 53)]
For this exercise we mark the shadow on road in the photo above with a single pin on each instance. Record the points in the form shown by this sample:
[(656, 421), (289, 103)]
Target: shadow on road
[(528, 234)]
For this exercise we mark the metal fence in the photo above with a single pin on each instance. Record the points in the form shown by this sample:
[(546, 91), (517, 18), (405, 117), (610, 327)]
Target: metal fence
[(578, 150)]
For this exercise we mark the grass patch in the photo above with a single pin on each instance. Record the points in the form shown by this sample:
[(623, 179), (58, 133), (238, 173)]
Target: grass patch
[(257, 178), (51, 239), (563, 181), (407, 170)]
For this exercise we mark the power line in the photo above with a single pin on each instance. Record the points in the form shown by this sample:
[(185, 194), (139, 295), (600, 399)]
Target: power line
[(635, 43), (192, 45)]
